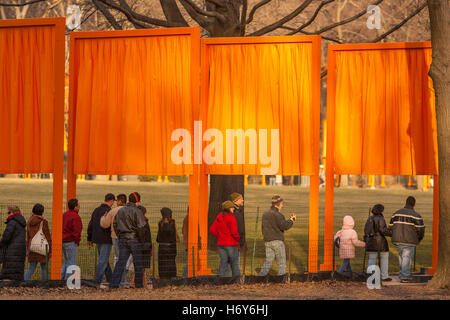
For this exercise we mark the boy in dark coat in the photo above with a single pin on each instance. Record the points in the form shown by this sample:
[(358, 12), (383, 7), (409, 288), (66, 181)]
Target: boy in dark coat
[(13, 245)]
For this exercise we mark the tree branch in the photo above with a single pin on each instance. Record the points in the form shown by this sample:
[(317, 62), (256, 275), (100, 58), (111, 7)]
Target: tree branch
[(256, 7), (112, 21), (200, 19), (172, 12), (243, 16), (322, 4), (309, 33), (20, 4), (212, 14), (282, 21)]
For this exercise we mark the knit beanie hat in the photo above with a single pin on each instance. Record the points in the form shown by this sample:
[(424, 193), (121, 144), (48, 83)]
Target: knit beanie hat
[(227, 205), (235, 196)]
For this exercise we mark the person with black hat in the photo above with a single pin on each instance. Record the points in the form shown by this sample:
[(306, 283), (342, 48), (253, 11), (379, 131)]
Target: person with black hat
[(226, 231), (375, 232), (167, 239), (102, 238), (273, 227)]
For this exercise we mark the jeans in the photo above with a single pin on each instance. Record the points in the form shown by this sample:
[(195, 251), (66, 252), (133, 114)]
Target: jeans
[(103, 268), (228, 272), (345, 267), (274, 250), (70, 252), (123, 280), (32, 268), (127, 247), (229, 255), (384, 262), (405, 255)]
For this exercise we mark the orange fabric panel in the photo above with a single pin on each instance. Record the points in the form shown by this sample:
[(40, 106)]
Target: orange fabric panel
[(385, 118), (263, 86), (27, 99), (130, 95)]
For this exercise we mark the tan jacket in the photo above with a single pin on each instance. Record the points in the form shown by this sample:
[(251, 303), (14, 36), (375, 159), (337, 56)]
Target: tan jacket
[(107, 220)]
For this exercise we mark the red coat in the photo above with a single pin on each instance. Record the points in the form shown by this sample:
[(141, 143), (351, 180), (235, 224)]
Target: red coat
[(225, 229), (72, 227)]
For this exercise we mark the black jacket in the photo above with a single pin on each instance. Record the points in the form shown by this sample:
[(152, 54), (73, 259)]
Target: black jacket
[(407, 227), (129, 223), (13, 248), (274, 224), (375, 231), (95, 232), (239, 214)]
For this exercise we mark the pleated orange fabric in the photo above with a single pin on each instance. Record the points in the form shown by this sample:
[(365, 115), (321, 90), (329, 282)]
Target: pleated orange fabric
[(27, 99), (257, 87), (385, 115), (130, 95)]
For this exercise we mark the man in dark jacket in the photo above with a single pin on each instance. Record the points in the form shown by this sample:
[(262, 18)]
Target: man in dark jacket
[(375, 232), (129, 224), (102, 238), (273, 226), (13, 245), (72, 226), (407, 232)]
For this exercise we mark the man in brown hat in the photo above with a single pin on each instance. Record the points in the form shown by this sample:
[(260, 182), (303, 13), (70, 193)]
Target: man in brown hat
[(273, 226)]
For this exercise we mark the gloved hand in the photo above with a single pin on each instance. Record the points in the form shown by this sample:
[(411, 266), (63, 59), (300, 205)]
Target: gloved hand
[(293, 217)]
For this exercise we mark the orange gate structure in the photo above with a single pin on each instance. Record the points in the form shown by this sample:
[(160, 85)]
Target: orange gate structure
[(32, 53), (380, 119), (255, 85)]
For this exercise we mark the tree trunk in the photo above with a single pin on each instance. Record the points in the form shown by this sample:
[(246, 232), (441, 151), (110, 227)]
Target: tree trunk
[(440, 25)]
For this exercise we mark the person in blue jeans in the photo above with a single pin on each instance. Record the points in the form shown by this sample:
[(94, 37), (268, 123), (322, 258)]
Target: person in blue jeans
[(408, 230), (72, 227), (102, 238)]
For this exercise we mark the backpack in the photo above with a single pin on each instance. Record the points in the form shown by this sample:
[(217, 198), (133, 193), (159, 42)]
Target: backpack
[(39, 243)]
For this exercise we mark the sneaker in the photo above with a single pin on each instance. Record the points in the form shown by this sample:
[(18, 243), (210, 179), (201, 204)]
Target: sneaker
[(409, 280), (387, 279), (104, 286)]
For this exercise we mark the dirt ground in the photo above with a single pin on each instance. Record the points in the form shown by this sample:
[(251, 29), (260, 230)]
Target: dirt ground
[(295, 291)]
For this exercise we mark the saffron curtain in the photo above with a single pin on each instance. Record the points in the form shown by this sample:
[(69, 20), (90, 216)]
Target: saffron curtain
[(130, 95), (27, 99), (262, 86), (385, 113)]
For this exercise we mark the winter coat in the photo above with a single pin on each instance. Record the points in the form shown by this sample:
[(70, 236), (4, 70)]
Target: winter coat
[(33, 225), (72, 226), (274, 224), (375, 231), (225, 229), (147, 246), (348, 239), (95, 232), (239, 214), (167, 232), (13, 245), (407, 227), (129, 222)]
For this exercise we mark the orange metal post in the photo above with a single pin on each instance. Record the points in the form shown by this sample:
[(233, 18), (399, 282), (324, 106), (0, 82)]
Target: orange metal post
[(435, 239)]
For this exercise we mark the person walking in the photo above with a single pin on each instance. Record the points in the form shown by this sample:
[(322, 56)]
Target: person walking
[(375, 232), (13, 245), (129, 226), (167, 239), (273, 227), (408, 230), (107, 222), (71, 237), (36, 223), (348, 239), (225, 229), (102, 238)]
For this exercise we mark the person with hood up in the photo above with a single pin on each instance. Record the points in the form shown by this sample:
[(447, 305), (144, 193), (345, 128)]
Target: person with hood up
[(348, 239), (13, 245), (35, 224), (375, 232), (167, 239), (226, 231)]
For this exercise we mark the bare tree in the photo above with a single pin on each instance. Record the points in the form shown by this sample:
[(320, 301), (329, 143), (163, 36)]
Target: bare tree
[(439, 72)]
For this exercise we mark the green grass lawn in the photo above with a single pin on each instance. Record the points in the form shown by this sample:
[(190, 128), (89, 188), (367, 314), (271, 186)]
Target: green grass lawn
[(348, 201)]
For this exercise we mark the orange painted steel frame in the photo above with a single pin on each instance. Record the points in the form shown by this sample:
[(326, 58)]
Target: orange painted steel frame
[(331, 106), (314, 179), (194, 182), (58, 148)]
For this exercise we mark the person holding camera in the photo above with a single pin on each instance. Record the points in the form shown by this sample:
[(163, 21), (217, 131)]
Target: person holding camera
[(273, 227)]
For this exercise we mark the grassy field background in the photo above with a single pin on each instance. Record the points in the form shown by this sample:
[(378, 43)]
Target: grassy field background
[(348, 201)]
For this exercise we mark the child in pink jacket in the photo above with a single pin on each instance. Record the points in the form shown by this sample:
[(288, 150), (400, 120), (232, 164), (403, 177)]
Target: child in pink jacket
[(348, 241)]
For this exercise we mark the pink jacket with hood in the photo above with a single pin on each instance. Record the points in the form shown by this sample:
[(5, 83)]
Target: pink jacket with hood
[(349, 239)]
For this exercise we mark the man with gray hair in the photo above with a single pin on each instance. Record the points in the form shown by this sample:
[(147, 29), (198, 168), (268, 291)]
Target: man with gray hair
[(273, 226)]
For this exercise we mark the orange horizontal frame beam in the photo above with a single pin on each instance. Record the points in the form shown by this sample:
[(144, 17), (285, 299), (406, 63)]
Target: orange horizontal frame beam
[(330, 138), (315, 65), (58, 148)]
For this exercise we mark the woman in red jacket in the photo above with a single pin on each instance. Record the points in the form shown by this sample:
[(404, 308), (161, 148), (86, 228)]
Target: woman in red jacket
[(225, 229)]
